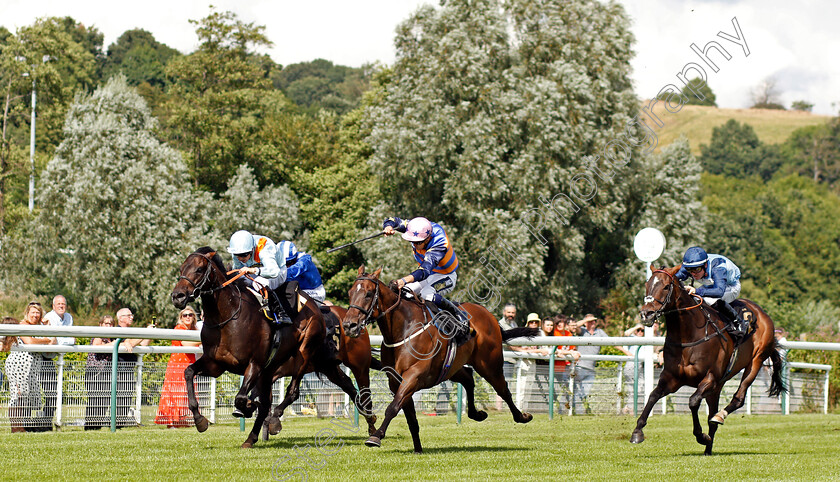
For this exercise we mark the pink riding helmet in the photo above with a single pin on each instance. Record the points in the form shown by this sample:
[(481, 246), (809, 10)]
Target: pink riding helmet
[(418, 229)]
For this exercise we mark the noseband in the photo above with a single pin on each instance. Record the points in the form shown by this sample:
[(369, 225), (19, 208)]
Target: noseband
[(662, 304), (373, 305), (198, 289)]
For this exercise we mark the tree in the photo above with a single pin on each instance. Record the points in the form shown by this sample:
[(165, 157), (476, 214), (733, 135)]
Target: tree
[(491, 108), (139, 57), (802, 105), (121, 215), (736, 151), (60, 66), (766, 95), (321, 84), (697, 92), (218, 98), (816, 151)]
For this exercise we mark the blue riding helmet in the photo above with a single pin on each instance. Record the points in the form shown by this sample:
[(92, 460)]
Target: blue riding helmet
[(694, 256), (289, 250)]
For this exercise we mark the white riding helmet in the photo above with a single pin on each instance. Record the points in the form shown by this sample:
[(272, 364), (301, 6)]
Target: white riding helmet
[(241, 242)]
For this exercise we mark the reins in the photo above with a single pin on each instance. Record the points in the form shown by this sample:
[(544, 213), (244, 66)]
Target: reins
[(375, 305), (198, 289), (661, 312)]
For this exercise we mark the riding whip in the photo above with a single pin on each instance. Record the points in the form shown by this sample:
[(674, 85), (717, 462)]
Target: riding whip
[(354, 242)]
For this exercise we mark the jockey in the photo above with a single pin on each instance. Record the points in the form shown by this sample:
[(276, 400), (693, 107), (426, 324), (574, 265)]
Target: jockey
[(301, 268), (720, 283), (438, 265), (258, 255)]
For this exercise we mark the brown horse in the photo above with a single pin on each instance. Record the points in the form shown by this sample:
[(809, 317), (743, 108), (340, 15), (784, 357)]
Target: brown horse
[(415, 348), (698, 353), (236, 337), (354, 353)]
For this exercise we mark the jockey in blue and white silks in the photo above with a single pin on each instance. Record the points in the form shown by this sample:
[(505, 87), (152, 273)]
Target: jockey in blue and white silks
[(258, 255), (719, 280), (436, 273), (301, 268)]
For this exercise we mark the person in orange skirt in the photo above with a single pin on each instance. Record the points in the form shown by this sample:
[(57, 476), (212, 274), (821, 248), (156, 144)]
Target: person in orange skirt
[(173, 410)]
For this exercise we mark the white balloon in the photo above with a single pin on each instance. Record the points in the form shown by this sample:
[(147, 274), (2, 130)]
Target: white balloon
[(649, 244)]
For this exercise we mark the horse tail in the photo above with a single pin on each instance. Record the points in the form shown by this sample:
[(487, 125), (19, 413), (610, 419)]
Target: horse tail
[(519, 333), (777, 385), (375, 363)]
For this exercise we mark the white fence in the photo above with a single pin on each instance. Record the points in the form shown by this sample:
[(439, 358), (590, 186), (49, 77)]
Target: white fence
[(70, 393)]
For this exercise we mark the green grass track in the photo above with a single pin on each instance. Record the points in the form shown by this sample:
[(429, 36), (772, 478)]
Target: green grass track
[(760, 447)]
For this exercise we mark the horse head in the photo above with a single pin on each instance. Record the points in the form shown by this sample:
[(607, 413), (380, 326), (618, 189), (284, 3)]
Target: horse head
[(364, 302), (661, 293), (201, 272)]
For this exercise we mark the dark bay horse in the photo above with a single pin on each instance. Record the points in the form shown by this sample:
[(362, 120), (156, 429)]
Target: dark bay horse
[(416, 350), (355, 354), (698, 352), (236, 337)]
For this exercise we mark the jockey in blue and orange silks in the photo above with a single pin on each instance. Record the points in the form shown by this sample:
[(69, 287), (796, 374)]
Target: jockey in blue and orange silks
[(437, 273), (720, 284)]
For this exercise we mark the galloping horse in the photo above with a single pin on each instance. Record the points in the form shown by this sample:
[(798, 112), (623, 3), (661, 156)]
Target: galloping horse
[(699, 354), (417, 350), (355, 354), (236, 337)]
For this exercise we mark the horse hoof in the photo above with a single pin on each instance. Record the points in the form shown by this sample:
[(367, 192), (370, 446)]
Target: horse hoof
[(274, 426), (526, 417), (237, 413), (373, 442), (479, 416), (201, 424), (637, 437), (717, 419), (247, 445)]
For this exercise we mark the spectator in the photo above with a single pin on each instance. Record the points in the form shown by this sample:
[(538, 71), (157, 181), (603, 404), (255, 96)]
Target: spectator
[(526, 393), (23, 370), (781, 337), (126, 371), (57, 317), (629, 370), (585, 369), (561, 367), (173, 410), (98, 381), (507, 322)]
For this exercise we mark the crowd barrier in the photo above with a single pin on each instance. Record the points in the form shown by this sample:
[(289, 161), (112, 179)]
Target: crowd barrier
[(70, 395)]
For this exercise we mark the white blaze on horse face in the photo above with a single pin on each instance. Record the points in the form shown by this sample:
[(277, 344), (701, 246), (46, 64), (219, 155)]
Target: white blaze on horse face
[(358, 287)]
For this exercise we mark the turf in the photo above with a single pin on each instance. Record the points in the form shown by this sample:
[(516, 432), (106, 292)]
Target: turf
[(774, 447)]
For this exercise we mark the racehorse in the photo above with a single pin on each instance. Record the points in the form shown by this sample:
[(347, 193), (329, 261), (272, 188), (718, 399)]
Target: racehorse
[(699, 354), (236, 337), (416, 349), (354, 353)]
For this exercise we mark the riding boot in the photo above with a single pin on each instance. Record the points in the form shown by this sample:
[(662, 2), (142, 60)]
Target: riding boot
[(463, 333), (740, 327), (277, 311)]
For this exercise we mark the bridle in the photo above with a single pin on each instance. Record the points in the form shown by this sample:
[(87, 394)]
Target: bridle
[(198, 289), (374, 305), (662, 304)]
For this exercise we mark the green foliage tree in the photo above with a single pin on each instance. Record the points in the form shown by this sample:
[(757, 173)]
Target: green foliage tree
[(696, 92), (139, 57), (68, 68), (119, 215), (816, 151), (783, 235), (320, 84), (491, 107), (736, 151), (218, 98), (801, 105)]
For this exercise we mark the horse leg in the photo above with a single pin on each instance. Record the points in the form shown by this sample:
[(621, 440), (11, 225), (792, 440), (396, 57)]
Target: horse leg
[(403, 390), (738, 400), (365, 400), (703, 390), (413, 426), (264, 390), (493, 372), (201, 423), (663, 387), (340, 379), (712, 400), (242, 401), (464, 376)]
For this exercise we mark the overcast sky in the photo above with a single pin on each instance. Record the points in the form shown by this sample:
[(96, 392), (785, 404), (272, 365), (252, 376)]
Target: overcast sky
[(791, 41)]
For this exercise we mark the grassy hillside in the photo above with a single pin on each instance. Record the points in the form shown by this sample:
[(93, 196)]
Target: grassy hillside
[(696, 122)]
